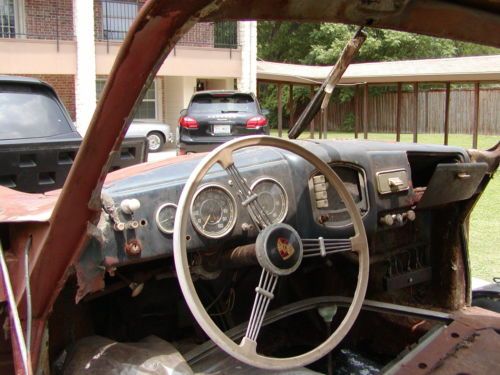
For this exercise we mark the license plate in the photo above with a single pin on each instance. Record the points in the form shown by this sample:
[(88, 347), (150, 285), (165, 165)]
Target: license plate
[(222, 129)]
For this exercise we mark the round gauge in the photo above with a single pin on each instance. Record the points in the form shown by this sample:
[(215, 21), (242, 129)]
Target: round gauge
[(165, 216), (213, 211), (272, 197)]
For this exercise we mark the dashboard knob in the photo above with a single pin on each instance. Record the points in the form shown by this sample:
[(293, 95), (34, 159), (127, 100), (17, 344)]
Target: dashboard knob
[(387, 219), (410, 215), (129, 206), (399, 219)]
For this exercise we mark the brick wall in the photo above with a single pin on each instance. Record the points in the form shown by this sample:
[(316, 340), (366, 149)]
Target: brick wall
[(97, 20), (202, 34), (46, 19), (64, 84)]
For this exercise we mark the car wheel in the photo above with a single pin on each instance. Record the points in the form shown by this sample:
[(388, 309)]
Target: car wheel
[(155, 141)]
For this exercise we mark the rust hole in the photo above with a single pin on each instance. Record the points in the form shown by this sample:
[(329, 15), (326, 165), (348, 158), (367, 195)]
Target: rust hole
[(188, 237), (422, 365), (455, 335)]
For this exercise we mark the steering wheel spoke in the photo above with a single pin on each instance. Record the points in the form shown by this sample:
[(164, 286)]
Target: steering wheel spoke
[(248, 198), (321, 247), (263, 296)]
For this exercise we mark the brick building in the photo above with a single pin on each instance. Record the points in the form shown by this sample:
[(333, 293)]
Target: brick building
[(72, 44)]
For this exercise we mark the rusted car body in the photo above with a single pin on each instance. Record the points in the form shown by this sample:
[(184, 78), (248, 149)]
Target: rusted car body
[(55, 228)]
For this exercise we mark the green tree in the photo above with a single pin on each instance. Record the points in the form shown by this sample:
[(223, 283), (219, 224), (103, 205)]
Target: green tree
[(381, 45), (322, 43), (286, 42)]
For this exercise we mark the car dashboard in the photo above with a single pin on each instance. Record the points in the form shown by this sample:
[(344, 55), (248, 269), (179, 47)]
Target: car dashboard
[(386, 180)]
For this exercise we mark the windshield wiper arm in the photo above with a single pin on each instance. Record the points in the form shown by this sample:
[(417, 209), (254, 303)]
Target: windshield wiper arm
[(322, 96)]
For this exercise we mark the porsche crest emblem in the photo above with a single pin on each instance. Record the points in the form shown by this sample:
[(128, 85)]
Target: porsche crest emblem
[(285, 249)]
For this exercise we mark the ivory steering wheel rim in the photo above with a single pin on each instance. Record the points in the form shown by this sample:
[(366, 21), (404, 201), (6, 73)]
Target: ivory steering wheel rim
[(243, 352)]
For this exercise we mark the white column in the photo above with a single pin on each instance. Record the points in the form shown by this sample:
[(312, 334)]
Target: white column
[(248, 39), (85, 96)]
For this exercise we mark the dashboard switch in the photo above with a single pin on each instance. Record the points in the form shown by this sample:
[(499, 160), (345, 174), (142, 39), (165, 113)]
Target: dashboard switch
[(321, 195), (320, 187), (322, 203), (395, 183), (387, 219), (319, 179)]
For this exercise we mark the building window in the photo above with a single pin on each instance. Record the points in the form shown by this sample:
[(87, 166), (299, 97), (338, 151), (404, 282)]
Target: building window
[(147, 110), (99, 87), (7, 18), (225, 34), (117, 16)]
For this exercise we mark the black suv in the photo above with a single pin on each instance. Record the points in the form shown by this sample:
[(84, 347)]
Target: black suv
[(215, 117)]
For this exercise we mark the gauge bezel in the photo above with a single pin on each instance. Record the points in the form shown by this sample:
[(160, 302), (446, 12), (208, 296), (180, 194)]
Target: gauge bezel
[(232, 223), (157, 217), (285, 211)]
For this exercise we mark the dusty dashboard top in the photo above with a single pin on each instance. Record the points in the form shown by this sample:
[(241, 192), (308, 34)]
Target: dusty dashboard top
[(138, 212)]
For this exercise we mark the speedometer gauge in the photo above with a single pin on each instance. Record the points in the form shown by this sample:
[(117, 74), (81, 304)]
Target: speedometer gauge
[(272, 197), (213, 211)]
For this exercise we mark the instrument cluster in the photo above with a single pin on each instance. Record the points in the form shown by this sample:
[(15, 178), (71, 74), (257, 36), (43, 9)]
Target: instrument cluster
[(215, 209)]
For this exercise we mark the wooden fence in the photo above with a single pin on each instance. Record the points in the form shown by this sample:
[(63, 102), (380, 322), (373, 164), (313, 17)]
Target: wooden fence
[(431, 112)]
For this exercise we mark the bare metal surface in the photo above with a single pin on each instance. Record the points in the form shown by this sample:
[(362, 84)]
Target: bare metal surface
[(469, 345)]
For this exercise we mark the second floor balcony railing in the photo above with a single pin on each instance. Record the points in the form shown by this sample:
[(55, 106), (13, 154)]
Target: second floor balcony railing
[(114, 17)]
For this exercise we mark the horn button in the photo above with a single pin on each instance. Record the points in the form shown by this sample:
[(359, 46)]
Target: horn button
[(279, 249)]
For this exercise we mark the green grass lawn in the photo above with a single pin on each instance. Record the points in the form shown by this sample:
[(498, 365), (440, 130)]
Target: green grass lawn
[(485, 223)]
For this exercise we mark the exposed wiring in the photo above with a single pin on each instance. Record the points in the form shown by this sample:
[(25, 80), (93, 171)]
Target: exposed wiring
[(229, 304)]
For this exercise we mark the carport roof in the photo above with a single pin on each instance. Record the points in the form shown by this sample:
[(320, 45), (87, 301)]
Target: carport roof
[(458, 69)]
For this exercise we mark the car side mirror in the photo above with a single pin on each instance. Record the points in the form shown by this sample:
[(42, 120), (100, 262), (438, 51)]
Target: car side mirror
[(183, 112), (266, 112)]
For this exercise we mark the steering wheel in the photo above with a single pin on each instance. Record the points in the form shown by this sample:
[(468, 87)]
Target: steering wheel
[(279, 251)]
